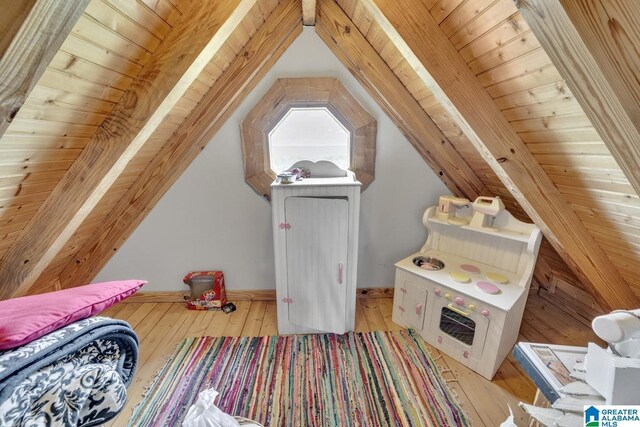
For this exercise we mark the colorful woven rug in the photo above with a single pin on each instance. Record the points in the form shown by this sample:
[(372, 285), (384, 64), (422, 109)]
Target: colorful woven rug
[(356, 379)]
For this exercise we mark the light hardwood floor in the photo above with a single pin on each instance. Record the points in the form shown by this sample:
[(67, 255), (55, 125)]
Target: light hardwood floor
[(160, 326)]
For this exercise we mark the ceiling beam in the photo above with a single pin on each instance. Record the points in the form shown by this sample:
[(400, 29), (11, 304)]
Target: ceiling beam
[(309, 12), (32, 33), (14, 14), (345, 40), (594, 45), (264, 48), (415, 33), (174, 66)]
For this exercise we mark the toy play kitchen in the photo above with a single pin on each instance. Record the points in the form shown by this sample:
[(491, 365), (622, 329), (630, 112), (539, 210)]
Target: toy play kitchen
[(466, 289)]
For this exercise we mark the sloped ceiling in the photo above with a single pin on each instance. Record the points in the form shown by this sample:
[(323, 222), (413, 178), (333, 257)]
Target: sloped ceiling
[(101, 62), (526, 178)]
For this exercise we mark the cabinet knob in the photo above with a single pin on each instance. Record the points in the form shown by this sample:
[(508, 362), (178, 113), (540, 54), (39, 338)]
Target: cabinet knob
[(437, 291), (418, 309), (340, 271), (485, 312)]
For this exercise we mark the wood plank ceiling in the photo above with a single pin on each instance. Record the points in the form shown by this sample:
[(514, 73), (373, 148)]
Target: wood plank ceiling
[(441, 68), (119, 62), (94, 67), (595, 47), (113, 40), (34, 31), (155, 91), (550, 268)]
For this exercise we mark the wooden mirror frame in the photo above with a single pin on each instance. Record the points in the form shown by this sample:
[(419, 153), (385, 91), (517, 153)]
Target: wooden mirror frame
[(299, 93)]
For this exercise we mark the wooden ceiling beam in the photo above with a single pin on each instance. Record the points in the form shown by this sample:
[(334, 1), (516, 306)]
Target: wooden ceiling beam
[(594, 45), (179, 59), (309, 12), (264, 48), (354, 51), (32, 33), (415, 33)]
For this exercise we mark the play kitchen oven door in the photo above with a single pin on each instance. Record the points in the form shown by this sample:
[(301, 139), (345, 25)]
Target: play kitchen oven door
[(457, 329)]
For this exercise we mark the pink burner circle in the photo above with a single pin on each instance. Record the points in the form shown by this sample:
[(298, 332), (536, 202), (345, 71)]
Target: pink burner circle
[(470, 268), (488, 287)]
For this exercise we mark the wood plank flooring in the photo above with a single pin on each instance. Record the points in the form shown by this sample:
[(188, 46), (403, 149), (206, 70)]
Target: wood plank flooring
[(160, 326)]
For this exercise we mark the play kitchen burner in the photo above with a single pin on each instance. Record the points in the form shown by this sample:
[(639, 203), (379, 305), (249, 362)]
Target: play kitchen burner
[(466, 289)]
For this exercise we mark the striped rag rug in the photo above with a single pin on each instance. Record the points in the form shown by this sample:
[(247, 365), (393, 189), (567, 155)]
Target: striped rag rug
[(355, 379)]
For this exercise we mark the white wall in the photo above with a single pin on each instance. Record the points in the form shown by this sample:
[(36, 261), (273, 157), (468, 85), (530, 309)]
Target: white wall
[(211, 219)]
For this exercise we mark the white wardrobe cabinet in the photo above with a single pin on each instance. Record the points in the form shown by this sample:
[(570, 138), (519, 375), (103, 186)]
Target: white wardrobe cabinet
[(315, 228)]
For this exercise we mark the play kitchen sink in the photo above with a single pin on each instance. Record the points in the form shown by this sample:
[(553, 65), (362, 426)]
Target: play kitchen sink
[(428, 263)]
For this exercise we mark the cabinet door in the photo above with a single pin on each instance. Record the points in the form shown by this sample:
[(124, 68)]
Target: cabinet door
[(414, 305), (317, 262)]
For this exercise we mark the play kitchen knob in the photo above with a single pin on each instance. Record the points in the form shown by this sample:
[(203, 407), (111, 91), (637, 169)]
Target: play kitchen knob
[(459, 301), (485, 312), (447, 296), (471, 307), (437, 291)]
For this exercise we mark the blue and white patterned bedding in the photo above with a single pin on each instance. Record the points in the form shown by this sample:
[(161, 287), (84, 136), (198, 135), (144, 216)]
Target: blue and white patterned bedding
[(75, 376)]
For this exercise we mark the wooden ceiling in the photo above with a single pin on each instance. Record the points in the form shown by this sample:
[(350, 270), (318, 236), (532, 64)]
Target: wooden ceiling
[(114, 111)]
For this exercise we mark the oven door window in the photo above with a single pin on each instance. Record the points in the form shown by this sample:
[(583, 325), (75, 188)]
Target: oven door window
[(457, 326)]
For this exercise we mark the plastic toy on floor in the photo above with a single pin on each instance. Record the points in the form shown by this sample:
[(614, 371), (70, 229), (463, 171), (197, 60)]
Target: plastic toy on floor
[(207, 290)]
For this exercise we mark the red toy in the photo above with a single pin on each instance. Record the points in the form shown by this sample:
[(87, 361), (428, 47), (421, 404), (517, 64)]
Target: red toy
[(207, 290)]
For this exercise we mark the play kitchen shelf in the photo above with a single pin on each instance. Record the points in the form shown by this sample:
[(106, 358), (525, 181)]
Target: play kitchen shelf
[(502, 232), (485, 215)]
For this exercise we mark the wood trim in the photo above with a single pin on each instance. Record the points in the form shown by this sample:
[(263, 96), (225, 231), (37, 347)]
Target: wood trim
[(182, 296), (598, 57), (352, 49), (250, 66), (309, 12), (179, 59), (33, 31), (243, 295), (444, 71)]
